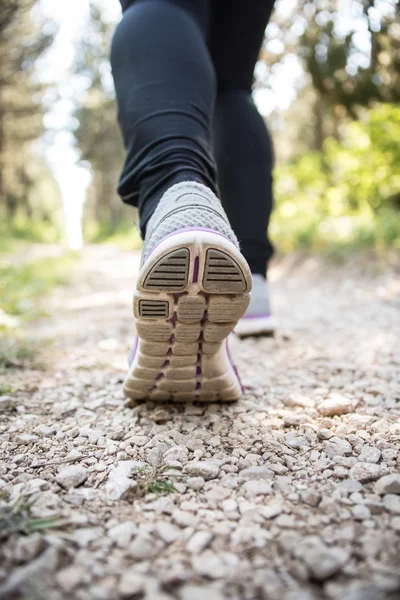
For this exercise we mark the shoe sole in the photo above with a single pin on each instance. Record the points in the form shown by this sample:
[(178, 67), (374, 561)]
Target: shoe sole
[(191, 292)]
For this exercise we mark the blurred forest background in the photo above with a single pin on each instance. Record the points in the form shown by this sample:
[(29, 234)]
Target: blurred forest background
[(337, 140), (337, 144)]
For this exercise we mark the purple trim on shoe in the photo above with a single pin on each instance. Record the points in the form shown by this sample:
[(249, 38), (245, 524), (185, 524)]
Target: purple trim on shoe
[(185, 230), (257, 316), (234, 367), (132, 351)]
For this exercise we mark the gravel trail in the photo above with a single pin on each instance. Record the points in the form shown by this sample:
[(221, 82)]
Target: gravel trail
[(293, 493)]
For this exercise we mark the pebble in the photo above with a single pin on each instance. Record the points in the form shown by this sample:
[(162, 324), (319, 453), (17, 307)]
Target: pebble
[(205, 469), (25, 439), (361, 512), (321, 561), (255, 473), (257, 487), (72, 476), (28, 548), (214, 566), (337, 446), (143, 547), (335, 405), (131, 584), (138, 440), (388, 484), (167, 532), (365, 472), (310, 497), (199, 542), (195, 483), (119, 487), (200, 592), (392, 503), (70, 577), (183, 518), (122, 533), (271, 510), (350, 486), (369, 454)]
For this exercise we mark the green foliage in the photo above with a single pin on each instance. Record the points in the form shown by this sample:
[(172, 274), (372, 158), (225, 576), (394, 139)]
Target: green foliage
[(124, 234), (22, 285), (15, 353), (346, 195), (27, 189), (154, 480), (15, 518)]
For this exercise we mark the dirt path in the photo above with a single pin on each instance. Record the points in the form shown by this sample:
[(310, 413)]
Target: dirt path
[(291, 494)]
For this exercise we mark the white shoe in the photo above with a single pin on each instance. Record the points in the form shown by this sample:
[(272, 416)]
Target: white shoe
[(193, 288), (258, 319)]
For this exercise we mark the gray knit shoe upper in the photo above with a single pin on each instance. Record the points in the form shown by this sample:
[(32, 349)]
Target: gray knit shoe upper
[(186, 205)]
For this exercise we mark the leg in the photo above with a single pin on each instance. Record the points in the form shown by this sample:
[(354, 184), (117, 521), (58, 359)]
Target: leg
[(165, 86), (194, 284), (242, 144)]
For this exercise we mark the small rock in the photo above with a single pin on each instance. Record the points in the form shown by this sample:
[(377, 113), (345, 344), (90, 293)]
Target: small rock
[(195, 483), (392, 503), (70, 577), (200, 592), (167, 532), (202, 468), (214, 566), (131, 584), (350, 486), (143, 547), (122, 533), (256, 487), (335, 405), (299, 400), (72, 476), (28, 548), (321, 561), (183, 518), (271, 510), (118, 488), (365, 471), (388, 484), (199, 541), (336, 446), (255, 473), (361, 512), (139, 440), (369, 454), (84, 536), (25, 438), (310, 497), (325, 434)]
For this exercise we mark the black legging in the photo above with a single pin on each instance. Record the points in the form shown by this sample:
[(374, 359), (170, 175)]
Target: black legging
[(183, 71)]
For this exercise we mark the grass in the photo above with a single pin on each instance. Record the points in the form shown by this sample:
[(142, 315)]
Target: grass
[(153, 480), (16, 353), (15, 518), (23, 285)]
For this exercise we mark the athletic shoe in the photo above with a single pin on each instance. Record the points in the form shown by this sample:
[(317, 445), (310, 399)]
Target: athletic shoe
[(193, 288), (258, 319)]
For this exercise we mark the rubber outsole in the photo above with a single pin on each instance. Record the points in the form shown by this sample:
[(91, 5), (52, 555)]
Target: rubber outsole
[(191, 292)]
